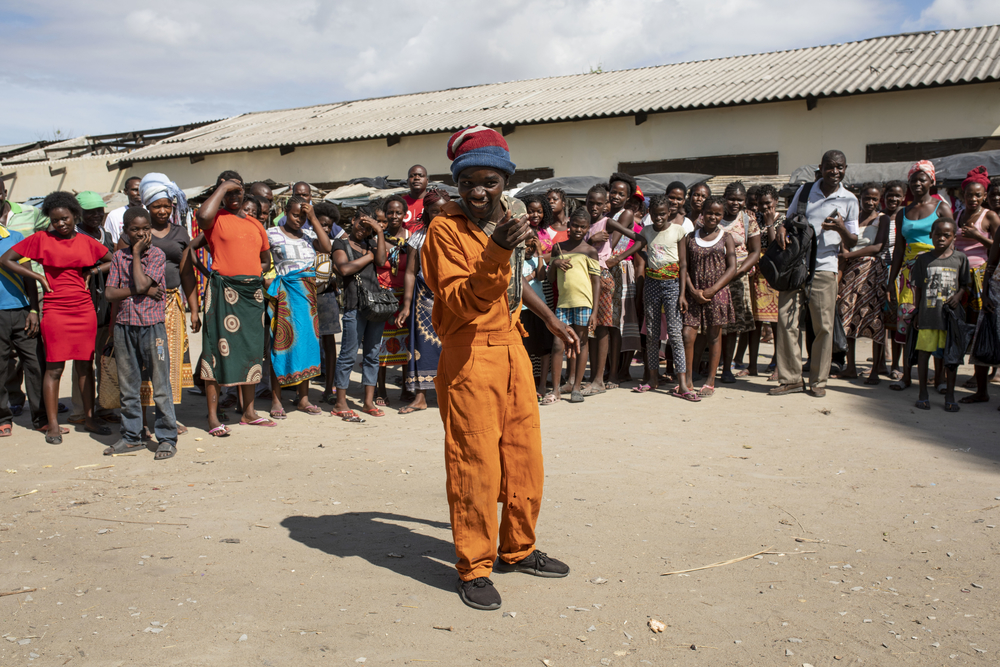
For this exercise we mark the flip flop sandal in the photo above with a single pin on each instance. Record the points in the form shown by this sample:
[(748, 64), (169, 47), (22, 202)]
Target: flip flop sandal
[(219, 432), (409, 411), (689, 396), (974, 399), (896, 375), (923, 405), (951, 407), (99, 430), (4, 430), (941, 389), (610, 385), (121, 447), (898, 385), (311, 410), (278, 414), (44, 429), (743, 373), (706, 391), (329, 398), (374, 412), (576, 397), (641, 389), (550, 399), (260, 421), (592, 391), (53, 439), (166, 450), (381, 402)]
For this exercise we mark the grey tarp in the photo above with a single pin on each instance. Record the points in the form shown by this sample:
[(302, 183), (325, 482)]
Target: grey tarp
[(577, 186)]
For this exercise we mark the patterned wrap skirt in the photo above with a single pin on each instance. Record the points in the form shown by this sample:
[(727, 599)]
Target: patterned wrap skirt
[(863, 290), (177, 344)]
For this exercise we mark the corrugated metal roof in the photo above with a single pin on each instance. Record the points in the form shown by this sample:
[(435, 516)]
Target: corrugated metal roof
[(882, 64)]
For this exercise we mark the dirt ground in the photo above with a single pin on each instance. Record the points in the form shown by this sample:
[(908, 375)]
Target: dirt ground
[(325, 543)]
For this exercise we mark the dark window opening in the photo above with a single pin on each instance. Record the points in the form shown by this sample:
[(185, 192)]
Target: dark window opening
[(747, 164), (912, 151)]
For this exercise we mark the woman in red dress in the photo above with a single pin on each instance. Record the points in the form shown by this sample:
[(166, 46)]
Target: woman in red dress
[(69, 322)]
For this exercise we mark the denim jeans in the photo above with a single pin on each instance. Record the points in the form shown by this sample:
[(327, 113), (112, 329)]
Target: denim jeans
[(358, 331), (142, 354)]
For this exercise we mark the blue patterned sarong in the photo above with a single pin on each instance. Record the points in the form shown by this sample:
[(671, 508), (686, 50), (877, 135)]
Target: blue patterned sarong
[(295, 355)]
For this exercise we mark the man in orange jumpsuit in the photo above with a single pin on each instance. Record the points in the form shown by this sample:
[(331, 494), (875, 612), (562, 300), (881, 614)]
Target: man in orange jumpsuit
[(472, 262)]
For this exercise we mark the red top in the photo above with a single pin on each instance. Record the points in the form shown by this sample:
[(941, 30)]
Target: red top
[(63, 261), (415, 210), (236, 244)]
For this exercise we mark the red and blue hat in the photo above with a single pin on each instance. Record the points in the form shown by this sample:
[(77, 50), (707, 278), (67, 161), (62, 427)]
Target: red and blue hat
[(478, 146)]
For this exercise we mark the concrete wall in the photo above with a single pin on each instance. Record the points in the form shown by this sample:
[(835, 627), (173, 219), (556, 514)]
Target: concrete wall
[(593, 147)]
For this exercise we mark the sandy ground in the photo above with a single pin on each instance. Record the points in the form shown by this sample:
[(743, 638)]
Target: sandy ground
[(326, 543)]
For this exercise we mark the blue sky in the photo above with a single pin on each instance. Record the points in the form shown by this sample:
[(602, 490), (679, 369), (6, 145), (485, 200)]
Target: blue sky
[(113, 66)]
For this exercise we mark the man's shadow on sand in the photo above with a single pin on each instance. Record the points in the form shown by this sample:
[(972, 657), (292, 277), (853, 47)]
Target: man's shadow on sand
[(374, 535)]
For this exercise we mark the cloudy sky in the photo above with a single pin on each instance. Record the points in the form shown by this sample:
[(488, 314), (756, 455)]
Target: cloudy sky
[(111, 66)]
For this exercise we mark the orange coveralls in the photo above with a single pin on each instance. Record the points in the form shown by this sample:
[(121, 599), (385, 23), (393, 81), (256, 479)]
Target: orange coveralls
[(486, 394)]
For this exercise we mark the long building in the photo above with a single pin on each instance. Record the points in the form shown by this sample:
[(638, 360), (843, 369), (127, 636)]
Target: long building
[(895, 98)]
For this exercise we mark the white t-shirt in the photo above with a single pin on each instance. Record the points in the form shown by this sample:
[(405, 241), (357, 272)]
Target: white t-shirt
[(661, 247), (114, 222), (818, 208)]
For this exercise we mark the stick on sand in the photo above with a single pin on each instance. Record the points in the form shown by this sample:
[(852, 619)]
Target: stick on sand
[(727, 562)]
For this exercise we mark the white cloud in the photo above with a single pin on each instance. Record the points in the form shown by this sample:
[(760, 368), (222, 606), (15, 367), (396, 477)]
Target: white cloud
[(110, 66), (956, 14)]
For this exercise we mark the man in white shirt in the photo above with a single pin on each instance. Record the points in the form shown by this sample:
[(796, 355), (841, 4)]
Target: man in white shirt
[(113, 223), (833, 213)]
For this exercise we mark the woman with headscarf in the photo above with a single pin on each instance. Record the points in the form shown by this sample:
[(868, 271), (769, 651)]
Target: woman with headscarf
[(977, 230), (417, 305), (913, 238), (168, 210)]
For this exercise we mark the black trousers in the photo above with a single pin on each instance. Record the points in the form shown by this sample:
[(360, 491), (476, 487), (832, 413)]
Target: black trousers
[(30, 355)]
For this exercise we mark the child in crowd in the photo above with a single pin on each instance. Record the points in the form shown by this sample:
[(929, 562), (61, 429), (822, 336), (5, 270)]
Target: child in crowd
[(662, 288), (696, 200), (328, 310), (539, 341), (392, 274), (251, 208), (138, 273), (709, 254), (577, 273), (892, 200), (941, 280)]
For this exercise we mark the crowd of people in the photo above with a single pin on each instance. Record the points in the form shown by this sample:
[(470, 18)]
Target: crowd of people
[(668, 279)]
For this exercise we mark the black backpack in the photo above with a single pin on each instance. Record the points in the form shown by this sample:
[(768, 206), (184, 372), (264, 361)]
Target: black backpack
[(792, 267)]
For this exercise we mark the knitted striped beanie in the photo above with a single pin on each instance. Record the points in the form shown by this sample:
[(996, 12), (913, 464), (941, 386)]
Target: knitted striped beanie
[(478, 146)]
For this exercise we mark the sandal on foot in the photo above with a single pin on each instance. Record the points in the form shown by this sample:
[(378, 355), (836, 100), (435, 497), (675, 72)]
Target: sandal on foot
[(873, 380), (898, 385), (409, 410), (330, 398), (348, 416), (941, 389), (592, 391), (923, 405), (97, 430), (260, 421), (166, 450), (53, 439), (278, 414), (688, 396), (4, 430), (311, 410), (728, 378), (576, 397), (373, 412), (706, 391), (951, 407), (610, 385), (121, 447), (549, 399), (45, 429), (381, 401), (219, 431), (744, 373), (642, 389), (896, 375)]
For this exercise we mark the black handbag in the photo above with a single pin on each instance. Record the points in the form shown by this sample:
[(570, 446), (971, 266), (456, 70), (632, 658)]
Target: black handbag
[(986, 349), (375, 306)]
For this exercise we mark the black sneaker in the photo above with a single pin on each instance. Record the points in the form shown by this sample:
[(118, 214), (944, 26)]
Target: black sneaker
[(537, 563), (479, 594)]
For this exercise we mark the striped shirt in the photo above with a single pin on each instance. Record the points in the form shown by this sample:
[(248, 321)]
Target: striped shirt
[(139, 310)]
